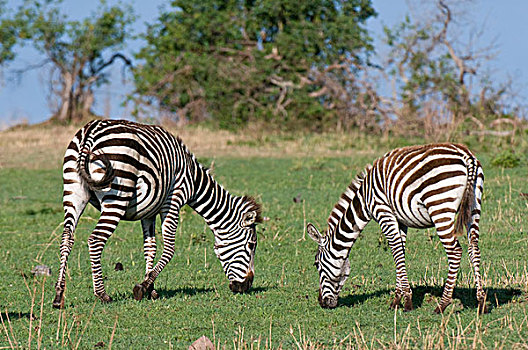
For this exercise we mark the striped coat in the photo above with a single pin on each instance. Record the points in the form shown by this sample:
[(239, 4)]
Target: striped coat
[(131, 171), (418, 187)]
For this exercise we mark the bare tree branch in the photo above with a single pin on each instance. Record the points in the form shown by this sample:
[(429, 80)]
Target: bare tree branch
[(97, 70), (442, 36)]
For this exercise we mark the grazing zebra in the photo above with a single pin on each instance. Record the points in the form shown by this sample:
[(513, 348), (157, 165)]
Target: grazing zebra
[(418, 187), (132, 171)]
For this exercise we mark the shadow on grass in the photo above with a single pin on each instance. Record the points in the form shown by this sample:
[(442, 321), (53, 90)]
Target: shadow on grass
[(467, 296), (190, 291), (352, 300), (257, 290), (179, 292), (11, 316), (169, 293)]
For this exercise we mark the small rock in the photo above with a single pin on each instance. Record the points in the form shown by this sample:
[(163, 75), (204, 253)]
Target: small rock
[(118, 267), (41, 270), (297, 199), (202, 343)]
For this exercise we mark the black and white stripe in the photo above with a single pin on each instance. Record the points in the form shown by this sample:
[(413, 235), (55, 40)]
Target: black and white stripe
[(418, 187), (131, 171)]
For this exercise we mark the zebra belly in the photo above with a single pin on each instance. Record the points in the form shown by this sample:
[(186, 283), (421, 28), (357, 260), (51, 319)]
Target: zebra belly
[(416, 212), (144, 202), (147, 201)]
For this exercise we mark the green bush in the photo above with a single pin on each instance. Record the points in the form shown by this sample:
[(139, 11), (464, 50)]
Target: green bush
[(506, 159)]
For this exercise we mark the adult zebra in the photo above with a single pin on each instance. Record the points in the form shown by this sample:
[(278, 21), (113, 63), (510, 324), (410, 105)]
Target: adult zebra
[(131, 171), (418, 187)]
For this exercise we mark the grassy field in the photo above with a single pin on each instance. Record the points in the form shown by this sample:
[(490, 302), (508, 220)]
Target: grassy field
[(281, 310)]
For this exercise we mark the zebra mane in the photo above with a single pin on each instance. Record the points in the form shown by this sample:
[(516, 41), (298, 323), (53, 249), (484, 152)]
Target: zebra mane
[(190, 155), (184, 147), (249, 201), (346, 197), (253, 205), (358, 180)]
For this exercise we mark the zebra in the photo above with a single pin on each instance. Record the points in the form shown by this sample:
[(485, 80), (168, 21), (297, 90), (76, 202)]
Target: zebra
[(132, 171), (419, 187)]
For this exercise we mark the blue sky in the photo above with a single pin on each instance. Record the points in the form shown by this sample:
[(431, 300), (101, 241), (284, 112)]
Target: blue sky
[(505, 24)]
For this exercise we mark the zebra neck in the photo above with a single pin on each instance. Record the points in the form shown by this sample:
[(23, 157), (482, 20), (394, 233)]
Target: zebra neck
[(348, 218), (211, 200)]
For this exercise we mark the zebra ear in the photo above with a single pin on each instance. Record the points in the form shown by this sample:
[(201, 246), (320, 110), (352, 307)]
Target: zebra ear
[(249, 218), (314, 233)]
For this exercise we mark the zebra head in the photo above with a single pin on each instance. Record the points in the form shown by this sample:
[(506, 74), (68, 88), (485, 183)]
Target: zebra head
[(236, 247), (333, 269)]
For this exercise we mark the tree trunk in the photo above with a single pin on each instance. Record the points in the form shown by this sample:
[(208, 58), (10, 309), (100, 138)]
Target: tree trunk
[(64, 113), (87, 99)]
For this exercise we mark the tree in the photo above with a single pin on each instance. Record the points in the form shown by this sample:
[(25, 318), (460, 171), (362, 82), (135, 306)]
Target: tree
[(429, 68), (235, 61), (431, 83), (78, 52), (11, 31), (8, 35)]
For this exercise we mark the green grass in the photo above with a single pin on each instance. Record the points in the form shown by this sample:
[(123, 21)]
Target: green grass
[(281, 310)]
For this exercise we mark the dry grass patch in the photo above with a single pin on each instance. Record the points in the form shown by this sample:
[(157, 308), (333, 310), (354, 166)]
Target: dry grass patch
[(43, 146), (34, 147)]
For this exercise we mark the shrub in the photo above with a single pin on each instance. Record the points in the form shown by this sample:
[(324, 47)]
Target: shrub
[(506, 159)]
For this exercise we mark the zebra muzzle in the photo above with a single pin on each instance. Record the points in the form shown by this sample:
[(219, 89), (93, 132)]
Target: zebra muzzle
[(242, 287), (327, 302)]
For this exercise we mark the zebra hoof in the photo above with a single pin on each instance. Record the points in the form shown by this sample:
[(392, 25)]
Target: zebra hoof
[(396, 302), (105, 298), (151, 292), (154, 295), (139, 291), (58, 302), (408, 305), (482, 308), (440, 309)]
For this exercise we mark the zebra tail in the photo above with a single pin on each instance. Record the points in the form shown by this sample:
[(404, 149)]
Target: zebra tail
[(468, 201), (84, 171)]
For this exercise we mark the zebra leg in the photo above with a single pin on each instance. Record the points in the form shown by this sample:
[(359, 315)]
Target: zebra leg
[(396, 236), (473, 248), (110, 216), (169, 223), (445, 228), (149, 250), (74, 202)]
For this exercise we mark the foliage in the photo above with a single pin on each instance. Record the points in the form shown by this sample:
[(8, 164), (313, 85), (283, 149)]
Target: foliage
[(430, 66), (78, 51), (310, 65), (506, 159), (234, 61), (281, 311), (8, 35), (424, 69)]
